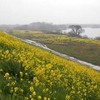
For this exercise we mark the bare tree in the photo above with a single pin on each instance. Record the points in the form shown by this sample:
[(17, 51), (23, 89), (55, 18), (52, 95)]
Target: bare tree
[(76, 30)]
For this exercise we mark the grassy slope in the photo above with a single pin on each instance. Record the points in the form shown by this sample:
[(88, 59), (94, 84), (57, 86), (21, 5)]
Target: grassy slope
[(28, 72), (84, 49)]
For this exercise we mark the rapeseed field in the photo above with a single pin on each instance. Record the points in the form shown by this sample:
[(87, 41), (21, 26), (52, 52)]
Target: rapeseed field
[(30, 73)]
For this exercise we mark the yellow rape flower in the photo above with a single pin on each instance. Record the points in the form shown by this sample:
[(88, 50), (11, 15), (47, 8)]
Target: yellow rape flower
[(34, 93), (46, 89), (45, 98), (16, 89), (48, 98), (21, 74), (6, 75), (39, 97), (31, 89), (67, 97)]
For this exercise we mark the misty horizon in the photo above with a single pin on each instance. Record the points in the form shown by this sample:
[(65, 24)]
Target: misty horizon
[(53, 23), (57, 12)]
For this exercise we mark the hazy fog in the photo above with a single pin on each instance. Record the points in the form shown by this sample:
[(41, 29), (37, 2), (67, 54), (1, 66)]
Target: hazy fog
[(53, 11)]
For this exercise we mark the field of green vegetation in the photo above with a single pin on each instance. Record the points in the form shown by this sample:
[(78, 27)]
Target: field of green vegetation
[(30, 73), (84, 49)]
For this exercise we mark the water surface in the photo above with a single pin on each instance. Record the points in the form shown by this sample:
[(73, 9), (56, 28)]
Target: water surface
[(91, 32)]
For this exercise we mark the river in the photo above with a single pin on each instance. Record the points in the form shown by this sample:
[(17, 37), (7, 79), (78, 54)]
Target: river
[(91, 32)]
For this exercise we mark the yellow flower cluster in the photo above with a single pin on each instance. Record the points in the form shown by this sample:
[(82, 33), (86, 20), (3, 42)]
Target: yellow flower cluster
[(6, 75), (31, 73)]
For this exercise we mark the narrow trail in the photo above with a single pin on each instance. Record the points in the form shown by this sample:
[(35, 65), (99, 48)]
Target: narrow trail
[(62, 55)]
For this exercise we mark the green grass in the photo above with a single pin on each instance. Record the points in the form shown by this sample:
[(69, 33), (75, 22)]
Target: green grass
[(83, 52)]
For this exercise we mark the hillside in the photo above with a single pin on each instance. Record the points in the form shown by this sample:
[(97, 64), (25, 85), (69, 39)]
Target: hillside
[(81, 48), (28, 72)]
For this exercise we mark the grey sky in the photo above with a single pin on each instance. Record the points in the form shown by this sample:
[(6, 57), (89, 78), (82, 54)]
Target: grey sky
[(53, 11)]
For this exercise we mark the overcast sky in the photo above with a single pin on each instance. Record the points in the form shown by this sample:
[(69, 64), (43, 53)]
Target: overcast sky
[(53, 11)]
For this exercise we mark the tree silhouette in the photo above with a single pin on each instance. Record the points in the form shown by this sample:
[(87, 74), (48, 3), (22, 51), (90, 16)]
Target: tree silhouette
[(76, 30)]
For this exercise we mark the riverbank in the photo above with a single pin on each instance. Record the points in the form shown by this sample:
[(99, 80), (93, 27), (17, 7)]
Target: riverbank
[(62, 55)]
